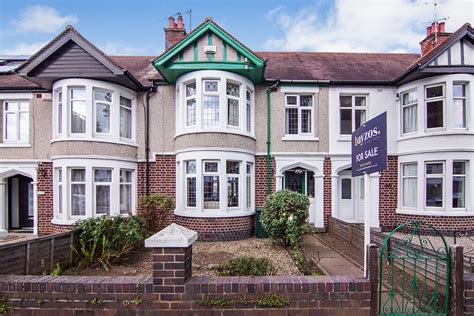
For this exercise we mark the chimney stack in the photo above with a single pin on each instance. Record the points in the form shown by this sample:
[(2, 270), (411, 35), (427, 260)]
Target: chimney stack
[(175, 32), (435, 35)]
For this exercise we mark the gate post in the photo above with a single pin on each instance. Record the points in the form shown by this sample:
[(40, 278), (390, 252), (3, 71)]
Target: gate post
[(373, 253), (456, 281)]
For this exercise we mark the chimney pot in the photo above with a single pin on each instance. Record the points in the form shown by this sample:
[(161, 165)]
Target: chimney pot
[(441, 27), (428, 30), (172, 23), (180, 22)]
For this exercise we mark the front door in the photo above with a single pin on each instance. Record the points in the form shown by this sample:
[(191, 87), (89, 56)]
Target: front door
[(20, 202), (345, 198), (302, 181)]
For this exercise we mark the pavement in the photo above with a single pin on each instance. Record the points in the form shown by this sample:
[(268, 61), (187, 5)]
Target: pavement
[(11, 238), (329, 260)]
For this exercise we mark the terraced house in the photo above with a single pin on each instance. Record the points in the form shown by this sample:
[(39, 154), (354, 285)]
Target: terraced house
[(218, 126)]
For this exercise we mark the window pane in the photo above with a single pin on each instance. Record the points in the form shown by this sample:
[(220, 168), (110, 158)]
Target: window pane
[(359, 118), (434, 192), (433, 92), (102, 118), (102, 96), (211, 86), (249, 118), (78, 175), (249, 191), (292, 121), (60, 118), (434, 114), (233, 192), (125, 198), (191, 112), (210, 110), (211, 192), (233, 89), (345, 101), (102, 199), (410, 170), (211, 167), (459, 113), (360, 101), (346, 189), (78, 94), (125, 175), (233, 167), (60, 96), (459, 90), (60, 199), (102, 175), (191, 192), (409, 192), (249, 168), (310, 184), (24, 126), (305, 121), (233, 112), (249, 96), (459, 167), (126, 102), (291, 100), (125, 123), (346, 121), (459, 191), (191, 166), (11, 123), (409, 97), (306, 100), (191, 89), (434, 168), (410, 119), (24, 106), (78, 117), (11, 106), (78, 199)]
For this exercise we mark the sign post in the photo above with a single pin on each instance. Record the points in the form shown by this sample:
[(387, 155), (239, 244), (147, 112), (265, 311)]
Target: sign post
[(369, 154)]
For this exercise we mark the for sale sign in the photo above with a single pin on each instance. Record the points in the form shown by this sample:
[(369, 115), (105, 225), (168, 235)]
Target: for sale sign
[(369, 146)]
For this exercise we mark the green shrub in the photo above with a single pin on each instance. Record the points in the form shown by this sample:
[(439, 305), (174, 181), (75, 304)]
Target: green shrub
[(246, 266), (106, 240), (284, 217), (156, 208)]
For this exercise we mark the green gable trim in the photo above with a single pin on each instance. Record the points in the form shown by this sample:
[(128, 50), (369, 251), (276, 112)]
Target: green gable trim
[(239, 57), (252, 69)]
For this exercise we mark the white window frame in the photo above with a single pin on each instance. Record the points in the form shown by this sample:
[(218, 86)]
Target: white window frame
[(211, 174), (213, 94), (132, 117), (108, 184), (17, 126), (248, 110), (466, 183), (59, 115), (110, 104), (402, 183), (189, 98), (442, 176), (59, 196), (239, 184), (353, 109), (403, 106), (70, 110), (190, 176), (465, 99), (300, 115), (125, 183), (235, 98), (70, 183), (434, 99), (248, 185)]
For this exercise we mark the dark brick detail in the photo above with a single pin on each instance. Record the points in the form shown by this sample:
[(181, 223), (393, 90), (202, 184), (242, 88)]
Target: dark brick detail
[(261, 179), (469, 294), (388, 195), (327, 191), (171, 268), (217, 229)]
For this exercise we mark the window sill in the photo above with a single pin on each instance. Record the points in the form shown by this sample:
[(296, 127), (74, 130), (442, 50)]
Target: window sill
[(220, 131), (213, 214), (344, 138), (432, 134), (100, 140), (14, 145), (67, 222), (299, 138), (435, 213)]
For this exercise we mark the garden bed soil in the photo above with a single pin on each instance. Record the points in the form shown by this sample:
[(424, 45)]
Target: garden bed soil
[(206, 256)]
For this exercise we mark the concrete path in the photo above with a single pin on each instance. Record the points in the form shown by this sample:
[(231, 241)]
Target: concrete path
[(330, 261)]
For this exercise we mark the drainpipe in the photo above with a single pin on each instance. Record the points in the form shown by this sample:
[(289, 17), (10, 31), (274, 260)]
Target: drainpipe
[(147, 136), (269, 91)]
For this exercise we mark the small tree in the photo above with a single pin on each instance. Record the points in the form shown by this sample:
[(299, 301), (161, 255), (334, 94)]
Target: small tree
[(284, 217), (156, 208)]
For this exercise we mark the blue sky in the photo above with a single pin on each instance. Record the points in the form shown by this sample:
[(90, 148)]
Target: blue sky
[(136, 27)]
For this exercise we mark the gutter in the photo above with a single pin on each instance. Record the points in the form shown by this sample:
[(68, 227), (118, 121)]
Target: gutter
[(269, 91), (298, 81), (152, 90)]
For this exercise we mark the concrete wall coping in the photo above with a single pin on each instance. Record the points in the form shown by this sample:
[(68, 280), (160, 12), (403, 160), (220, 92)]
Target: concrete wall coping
[(173, 236)]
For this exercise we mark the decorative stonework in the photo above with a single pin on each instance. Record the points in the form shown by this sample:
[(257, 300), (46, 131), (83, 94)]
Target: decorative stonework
[(173, 236)]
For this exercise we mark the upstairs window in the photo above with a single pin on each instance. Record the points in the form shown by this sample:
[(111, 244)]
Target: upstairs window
[(59, 114), (102, 107), (125, 118), (16, 121), (210, 103), (233, 109), (459, 105), (409, 112), (77, 98), (434, 99), (190, 104), (248, 125), (353, 112), (298, 113)]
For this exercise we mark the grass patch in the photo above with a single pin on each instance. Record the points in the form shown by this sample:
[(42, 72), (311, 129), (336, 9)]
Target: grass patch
[(246, 266), (270, 301)]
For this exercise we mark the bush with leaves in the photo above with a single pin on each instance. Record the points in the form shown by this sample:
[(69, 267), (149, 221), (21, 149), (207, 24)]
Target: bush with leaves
[(284, 217), (106, 240), (156, 208), (246, 266)]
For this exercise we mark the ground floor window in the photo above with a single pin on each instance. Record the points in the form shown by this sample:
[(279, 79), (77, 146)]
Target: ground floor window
[(86, 188)]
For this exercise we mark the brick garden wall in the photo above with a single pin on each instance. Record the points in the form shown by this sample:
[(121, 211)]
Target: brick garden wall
[(469, 294)]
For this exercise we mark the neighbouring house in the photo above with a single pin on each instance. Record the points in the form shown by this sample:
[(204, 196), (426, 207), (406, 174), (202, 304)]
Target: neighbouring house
[(217, 126)]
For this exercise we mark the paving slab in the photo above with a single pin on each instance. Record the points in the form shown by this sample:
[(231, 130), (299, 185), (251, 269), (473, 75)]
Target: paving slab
[(329, 260)]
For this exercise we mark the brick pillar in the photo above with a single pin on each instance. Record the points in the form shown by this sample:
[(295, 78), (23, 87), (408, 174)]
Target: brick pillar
[(373, 255), (172, 260), (456, 282)]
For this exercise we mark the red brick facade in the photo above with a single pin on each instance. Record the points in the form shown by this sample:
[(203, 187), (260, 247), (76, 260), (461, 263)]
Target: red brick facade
[(388, 188), (261, 179), (327, 190)]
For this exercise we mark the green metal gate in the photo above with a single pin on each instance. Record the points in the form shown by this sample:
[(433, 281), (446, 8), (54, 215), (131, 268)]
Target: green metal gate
[(414, 271)]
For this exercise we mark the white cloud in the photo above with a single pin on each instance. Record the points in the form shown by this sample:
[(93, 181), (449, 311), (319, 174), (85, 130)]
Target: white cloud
[(41, 18), (119, 48), (22, 49), (362, 26)]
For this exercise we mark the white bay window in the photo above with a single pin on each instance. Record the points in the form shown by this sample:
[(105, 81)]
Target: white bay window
[(102, 107), (459, 105), (434, 101), (409, 112)]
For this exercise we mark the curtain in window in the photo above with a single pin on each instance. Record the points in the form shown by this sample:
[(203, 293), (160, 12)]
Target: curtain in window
[(409, 119), (410, 185)]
